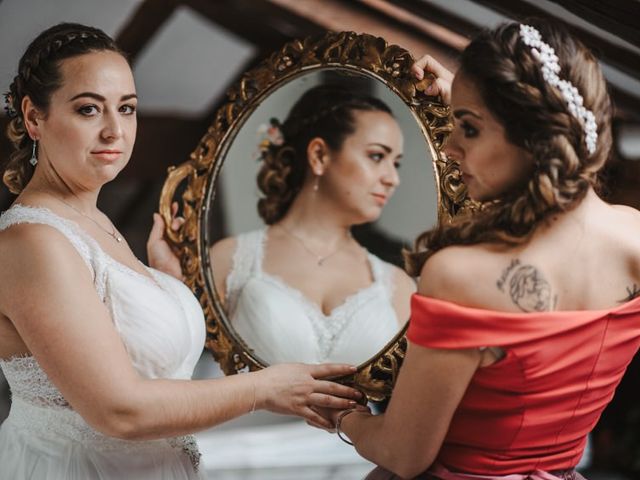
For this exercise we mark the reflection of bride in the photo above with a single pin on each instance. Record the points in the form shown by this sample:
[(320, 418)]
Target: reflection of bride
[(302, 289)]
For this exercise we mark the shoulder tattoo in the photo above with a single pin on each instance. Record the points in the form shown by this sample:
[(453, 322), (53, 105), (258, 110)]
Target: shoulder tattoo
[(527, 287), (632, 292)]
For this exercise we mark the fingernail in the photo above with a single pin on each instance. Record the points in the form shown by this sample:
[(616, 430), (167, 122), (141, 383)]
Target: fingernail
[(352, 403), (353, 368)]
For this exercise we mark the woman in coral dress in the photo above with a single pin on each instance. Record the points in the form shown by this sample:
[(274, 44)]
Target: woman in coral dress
[(527, 312)]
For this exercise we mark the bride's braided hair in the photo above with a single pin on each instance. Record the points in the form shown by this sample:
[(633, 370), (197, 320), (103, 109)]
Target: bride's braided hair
[(38, 77), (325, 111), (535, 117)]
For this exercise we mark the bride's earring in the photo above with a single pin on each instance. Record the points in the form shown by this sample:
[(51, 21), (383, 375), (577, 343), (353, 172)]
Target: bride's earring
[(34, 159), (316, 183)]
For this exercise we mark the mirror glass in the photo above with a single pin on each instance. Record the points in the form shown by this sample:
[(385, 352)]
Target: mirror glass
[(318, 276)]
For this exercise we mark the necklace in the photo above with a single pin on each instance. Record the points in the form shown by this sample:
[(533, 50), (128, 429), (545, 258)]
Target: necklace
[(113, 233), (320, 259)]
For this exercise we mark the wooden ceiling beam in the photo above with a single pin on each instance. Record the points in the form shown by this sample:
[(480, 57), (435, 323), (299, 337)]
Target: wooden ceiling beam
[(622, 58), (267, 26), (427, 29), (143, 24), (434, 13), (618, 16)]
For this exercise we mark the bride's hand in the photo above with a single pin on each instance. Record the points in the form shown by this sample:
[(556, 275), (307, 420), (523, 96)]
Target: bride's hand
[(296, 389), (159, 253), (443, 77)]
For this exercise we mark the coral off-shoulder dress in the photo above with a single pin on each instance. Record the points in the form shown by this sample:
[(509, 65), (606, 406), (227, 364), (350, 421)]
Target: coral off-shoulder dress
[(531, 410)]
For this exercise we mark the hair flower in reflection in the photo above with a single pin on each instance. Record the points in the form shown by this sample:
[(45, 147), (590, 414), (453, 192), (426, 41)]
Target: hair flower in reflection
[(8, 105), (269, 135)]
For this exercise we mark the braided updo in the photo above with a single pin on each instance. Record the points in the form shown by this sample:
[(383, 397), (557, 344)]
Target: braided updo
[(535, 117), (325, 111), (38, 77)]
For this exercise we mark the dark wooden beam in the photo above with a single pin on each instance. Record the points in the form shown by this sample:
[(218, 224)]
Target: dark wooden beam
[(622, 58), (260, 22), (143, 24), (371, 10), (620, 17), (433, 13)]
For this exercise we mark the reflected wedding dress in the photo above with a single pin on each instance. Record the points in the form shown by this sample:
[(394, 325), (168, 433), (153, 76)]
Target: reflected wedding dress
[(281, 324), (162, 327)]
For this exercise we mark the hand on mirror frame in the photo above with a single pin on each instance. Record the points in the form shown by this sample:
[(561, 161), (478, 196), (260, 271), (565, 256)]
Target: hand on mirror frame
[(297, 389), (442, 84), (159, 253)]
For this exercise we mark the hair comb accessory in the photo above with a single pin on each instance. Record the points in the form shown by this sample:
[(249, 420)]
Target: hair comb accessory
[(547, 57), (8, 106)]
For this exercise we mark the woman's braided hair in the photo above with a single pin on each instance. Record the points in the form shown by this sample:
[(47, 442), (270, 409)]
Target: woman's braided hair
[(535, 117), (38, 77), (325, 111)]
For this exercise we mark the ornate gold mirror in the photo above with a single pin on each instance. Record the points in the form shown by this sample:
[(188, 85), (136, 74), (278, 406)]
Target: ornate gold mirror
[(263, 285)]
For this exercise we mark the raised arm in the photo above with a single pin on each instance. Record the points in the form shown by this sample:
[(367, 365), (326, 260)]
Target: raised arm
[(53, 305)]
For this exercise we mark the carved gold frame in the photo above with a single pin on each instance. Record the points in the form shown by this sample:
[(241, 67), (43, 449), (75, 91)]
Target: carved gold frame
[(359, 53)]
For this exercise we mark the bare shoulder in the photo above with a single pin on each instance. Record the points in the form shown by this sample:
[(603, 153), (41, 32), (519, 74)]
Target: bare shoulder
[(404, 284), (31, 254), (221, 254), (35, 242), (223, 250), (465, 274)]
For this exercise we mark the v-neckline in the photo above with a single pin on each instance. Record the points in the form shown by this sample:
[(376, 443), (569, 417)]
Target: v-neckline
[(303, 297)]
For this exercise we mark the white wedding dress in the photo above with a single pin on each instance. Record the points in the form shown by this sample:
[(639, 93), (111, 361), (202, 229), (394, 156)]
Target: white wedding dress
[(280, 324), (162, 327)]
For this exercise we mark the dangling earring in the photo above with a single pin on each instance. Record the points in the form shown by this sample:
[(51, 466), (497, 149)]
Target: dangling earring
[(34, 159), (316, 183)]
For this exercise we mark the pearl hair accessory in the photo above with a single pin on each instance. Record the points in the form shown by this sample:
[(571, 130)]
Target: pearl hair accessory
[(546, 55)]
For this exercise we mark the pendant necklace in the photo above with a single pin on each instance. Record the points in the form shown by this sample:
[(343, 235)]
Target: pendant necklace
[(320, 259), (114, 234)]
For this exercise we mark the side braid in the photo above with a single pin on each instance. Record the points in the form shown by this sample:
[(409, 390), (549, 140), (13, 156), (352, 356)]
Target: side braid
[(535, 117)]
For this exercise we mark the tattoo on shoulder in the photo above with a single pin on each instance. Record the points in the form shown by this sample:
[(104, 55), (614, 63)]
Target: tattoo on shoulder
[(632, 292), (527, 287)]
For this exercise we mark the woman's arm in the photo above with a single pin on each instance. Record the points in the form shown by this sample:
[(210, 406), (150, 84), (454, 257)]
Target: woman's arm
[(53, 305), (405, 286), (407, 437)]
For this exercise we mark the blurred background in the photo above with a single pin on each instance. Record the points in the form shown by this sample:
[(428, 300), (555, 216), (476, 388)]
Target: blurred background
[(186, 54)]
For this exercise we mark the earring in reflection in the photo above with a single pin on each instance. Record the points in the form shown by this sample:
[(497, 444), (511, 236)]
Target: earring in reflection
[(316, 183), (34, 159)]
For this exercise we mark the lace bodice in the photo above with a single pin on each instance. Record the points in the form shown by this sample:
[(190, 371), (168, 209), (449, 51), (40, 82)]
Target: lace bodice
[(281, 324), (160, 322)]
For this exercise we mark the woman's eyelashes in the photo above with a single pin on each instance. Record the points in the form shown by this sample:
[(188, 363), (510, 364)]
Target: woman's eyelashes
[(92, 110), (128, 109), (88, 110), (377, 156), (469, 130)]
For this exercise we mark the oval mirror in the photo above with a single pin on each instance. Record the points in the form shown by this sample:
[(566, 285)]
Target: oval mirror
[(324, 164)]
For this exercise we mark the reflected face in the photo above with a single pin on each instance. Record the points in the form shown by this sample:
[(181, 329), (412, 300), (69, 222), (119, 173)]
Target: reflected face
[(90, 129), (490, 164), (363, 175)]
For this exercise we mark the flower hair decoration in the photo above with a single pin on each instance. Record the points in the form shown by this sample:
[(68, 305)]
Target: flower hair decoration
[(8, 106), (269, 135), (547, 57)]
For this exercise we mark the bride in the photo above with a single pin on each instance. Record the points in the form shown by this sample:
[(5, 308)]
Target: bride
[(97, 348), (303, 289)]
